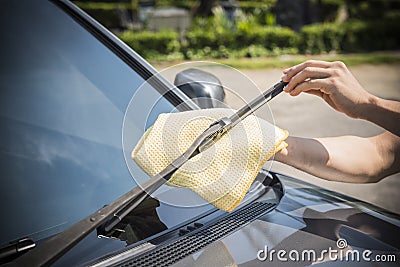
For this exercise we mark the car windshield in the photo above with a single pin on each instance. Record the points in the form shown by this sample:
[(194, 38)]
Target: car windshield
[(62, 105)]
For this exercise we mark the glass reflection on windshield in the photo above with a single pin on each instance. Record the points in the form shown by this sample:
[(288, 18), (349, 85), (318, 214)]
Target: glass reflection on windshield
[(63, 96)]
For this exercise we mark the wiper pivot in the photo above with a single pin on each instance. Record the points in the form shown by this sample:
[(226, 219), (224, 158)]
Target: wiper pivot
[(14, 249)]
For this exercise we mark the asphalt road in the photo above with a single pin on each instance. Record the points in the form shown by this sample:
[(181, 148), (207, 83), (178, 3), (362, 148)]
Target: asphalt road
[(308, 116)]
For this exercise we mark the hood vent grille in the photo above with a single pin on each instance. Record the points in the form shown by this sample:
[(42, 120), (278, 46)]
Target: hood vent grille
[(169, 253)]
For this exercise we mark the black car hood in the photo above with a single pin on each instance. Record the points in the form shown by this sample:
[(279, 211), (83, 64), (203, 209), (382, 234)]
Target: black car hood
[(307, 217)]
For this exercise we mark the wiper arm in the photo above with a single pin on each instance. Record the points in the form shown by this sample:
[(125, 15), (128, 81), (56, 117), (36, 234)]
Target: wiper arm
[(50, 250), (14, 249)]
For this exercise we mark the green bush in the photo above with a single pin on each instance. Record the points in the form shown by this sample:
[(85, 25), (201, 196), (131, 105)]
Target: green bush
[(356, 37), (370, 9), (152, 44), (373, 35), (351, 36), (321, 38), (207, 52), (199, 39), (254, 51), (273, 37), (268, 37), (259, 41), (261, 10)]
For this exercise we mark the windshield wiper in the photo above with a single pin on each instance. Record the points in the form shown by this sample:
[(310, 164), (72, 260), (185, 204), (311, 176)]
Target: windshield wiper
[(50, 250), (15, 249)]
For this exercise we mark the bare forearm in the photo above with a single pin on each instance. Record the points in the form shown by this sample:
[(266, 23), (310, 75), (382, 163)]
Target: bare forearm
[(346, 159), (383, 112)]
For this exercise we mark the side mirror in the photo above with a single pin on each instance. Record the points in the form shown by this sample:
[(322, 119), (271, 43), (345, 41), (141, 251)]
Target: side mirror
[(204, 88)]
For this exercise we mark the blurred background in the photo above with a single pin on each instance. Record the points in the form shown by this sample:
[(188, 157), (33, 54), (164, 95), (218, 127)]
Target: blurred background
[(167, 30), (260, 38)]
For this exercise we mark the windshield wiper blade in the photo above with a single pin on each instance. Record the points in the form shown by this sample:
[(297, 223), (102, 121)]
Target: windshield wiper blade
[(50, 250)]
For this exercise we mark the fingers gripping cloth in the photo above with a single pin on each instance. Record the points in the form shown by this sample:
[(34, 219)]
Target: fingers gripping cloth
[(223, 173)]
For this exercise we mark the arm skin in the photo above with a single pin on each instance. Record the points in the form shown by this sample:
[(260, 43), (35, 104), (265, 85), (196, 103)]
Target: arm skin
[(346, 158), (385, 113)]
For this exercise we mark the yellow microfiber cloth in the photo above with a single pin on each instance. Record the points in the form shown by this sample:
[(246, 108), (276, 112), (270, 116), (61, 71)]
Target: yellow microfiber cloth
[(221, 174)]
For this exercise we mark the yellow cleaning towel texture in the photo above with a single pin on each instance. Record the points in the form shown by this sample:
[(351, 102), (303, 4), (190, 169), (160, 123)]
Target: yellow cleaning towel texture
[(221, 174)]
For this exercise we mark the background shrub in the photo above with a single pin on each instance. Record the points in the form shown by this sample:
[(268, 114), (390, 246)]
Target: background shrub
[(351, 36), (152, 44), (361, 36), (321, 38)]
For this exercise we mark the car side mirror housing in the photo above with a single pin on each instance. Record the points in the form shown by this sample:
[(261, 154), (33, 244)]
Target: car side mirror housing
[(204, 88)]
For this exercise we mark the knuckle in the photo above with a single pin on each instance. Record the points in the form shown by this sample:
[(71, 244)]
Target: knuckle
[(340, 64), (332, 81), (307, 69), (309, 63), (336, 72), (290, 71)]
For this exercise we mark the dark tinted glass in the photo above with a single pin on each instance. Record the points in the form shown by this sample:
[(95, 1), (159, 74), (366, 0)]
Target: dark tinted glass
[(63, 95)]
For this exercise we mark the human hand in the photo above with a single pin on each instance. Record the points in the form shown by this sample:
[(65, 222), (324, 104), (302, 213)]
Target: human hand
[(331, 81)]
